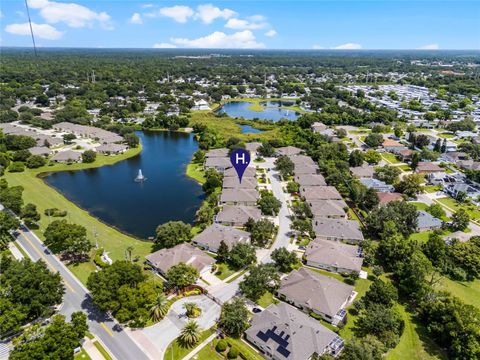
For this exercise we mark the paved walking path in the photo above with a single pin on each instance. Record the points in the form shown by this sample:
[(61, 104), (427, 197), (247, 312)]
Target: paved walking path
[(200, 346)]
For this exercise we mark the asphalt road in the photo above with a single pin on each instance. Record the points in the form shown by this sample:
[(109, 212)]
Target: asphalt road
[(77, 298)]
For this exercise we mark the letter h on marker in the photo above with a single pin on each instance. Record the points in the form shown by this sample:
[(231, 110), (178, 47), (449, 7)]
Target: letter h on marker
[(238, 158)]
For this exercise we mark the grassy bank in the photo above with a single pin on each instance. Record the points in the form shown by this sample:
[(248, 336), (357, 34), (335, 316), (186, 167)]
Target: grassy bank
[(39, 193), (196, 172), (257, 106)]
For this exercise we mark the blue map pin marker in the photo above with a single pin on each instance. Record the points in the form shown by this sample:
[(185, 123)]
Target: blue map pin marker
[(240, 159)]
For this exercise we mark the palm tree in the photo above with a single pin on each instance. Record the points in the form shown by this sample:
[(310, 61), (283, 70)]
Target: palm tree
[(192, 309), (190, 334), (160, 308)]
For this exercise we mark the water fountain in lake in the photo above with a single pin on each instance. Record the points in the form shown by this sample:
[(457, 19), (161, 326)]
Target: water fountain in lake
[(140, 177)]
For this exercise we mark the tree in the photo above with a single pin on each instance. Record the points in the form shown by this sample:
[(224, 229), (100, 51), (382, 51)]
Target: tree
[(213, 180), (190, 334), (356, 158), (159, 308), (367, 348), (30, 214), (61, 236), (68, 138), (381, 292), (443, 149), (11, 198), (372, 157), (234, 317), (293, 187), (415, 160), (302, 210), (389, 174), (7, 224), (35, 161), (266, 150), (285, 260), (411, 275), (191, 309), (394, 249), (402, 214), (269, 204), (262, 278), (173, 233), (58, 340), (261, 231), (411, 185), (436, 210), (131, 139), (242, 255), (223, 252), (19, 142), (460, 220), (398, 131), (89, 156), (438, 146), (284, 166), (374, 140), (182, 275)]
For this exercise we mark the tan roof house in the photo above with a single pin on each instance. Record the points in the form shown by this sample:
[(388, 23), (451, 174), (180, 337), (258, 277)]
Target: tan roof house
[(309, 291), (67, 156), (337, 229), (231, 172), (333, 256), (288, 151), (428, 168), (334, 209), (320, 193), (310, 180), (237, 215), (234, 183), (247, 197), (210, 238), (363, 171)]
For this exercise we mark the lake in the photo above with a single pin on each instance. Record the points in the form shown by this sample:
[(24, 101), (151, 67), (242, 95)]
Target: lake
[(237, 109), (248, 129), (111, 194)]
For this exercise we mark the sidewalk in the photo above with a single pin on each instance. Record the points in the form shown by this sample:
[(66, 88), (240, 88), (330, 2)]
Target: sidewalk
[(92, 351), (200, 346)]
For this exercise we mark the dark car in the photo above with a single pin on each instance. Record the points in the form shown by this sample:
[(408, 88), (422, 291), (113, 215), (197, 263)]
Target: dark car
[(256, 310)]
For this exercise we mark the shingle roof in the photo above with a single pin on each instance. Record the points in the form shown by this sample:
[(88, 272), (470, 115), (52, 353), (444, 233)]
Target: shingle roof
[(323, 293), (328, 208), (362, 171), (428, 167), (302, 159), (223, 152), (320, 193), (386, 197), (238, 214), (185, 253), (426, 220), (214, 162), (216, 233), (234, 183), (338, 228), (334, 253), (305, 169), (288, 150), (67, 155), (310, 180), (231, 172), (289, 333), (239, 195)]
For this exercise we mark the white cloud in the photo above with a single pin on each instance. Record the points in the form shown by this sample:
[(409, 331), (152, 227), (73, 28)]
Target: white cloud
[(164, 46), (239, 24), (74, 15), (42, 31), (207, 13), (219, 40), (19, 13), (270, 33), (348, 46), (430, 47), (146, 6), (136, 19), (317, 47), (179, 13)]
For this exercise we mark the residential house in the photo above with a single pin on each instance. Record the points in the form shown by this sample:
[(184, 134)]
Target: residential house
[(237, 215), (337, 229), (252, 147), (456, 188), (311, 291), (364, 171), (40, 150), (247, 197), (320, 193), (333, 256), (218, 163), (428, 168), (386, 197), (288, 151), (310, 180), (405, 154), (109, 149), (217, 153), (210, 238), (455, 156), (302, 160), (250, 172), (234, 183), (377, 185), (427, 221), (333, 209), (305, 169), (282, 332), (162, 260), (67, 156), (318, 127), (392, 146)]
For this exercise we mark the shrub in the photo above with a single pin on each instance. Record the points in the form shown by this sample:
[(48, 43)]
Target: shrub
[(221, 346), (16, 167), (55, 212), (233, 353)]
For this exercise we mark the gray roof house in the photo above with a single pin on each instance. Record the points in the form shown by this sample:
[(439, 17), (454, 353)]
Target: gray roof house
[(210, 238), (363, 171), (223, 152), (111, 148), (334, 209), (337, 229), (246, 197), (318, 127), (237, 215), (320, 193), (40, 150), (67, 156), (310, 180), (252, 147), (162, 260), (250, 172), (305, 169), (377, 185), (426, 221), (218, 163), (302, 159), (311, 291), (288, 151), (234, 183), (333, 256), (282, 332)]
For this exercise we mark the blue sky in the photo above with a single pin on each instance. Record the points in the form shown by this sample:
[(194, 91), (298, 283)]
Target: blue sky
[(244, 24)]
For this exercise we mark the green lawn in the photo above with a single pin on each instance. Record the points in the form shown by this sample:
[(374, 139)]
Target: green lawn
[(414, 342), (196, 172), (472, 211), (223, 271), (405, 167), (390, 158), (245, 349), (468, 291), (208, 353), (102, 350), (421, 237), (432, 188), (266, 300), (446, 135), (177, 351), (82, 355), (419, 205), (232, 279), (39, 193)]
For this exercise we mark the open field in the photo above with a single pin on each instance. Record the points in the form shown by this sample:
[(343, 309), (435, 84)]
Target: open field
[(36, 191), (468, 291), (224, 271), (196, 172), (390, 158), (452, 204)]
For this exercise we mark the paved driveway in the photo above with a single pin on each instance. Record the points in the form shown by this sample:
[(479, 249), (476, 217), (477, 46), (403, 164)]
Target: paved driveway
[(163, 333)]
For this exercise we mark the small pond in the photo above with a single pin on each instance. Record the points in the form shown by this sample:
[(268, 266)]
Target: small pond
[(248, 129), (237, 109)]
